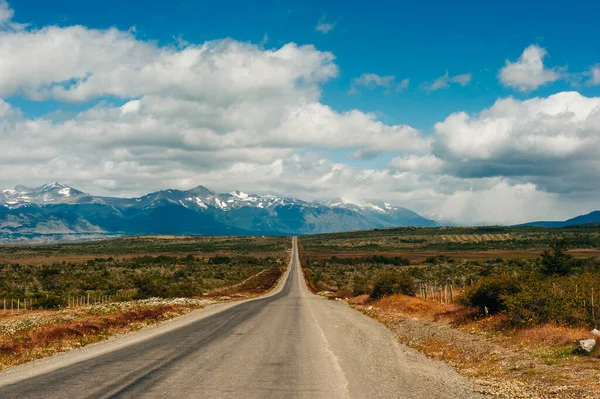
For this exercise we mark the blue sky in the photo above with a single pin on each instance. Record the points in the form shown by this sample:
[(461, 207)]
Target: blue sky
[(408, 102), (414, 40)]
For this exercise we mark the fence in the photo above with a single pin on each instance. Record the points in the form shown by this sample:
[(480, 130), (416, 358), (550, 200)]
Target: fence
[(22, 304), (443, 293)]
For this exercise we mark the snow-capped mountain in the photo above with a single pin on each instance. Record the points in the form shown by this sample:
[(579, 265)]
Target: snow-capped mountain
[(52, 193), (382, 213), (57, 209)]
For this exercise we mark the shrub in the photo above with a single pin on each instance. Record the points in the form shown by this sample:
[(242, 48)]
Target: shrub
[(219, 260), (359, 288), (49, 302), (490, 293), (390, 283), (556, 260), (557, 300)]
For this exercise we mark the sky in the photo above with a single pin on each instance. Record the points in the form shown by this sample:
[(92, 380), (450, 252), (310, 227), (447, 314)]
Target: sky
[(478, 113)]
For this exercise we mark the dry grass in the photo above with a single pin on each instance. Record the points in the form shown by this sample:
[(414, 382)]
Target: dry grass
[(524, 363), (34, 334)]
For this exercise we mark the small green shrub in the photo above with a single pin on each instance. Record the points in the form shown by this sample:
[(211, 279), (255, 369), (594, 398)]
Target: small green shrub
[(390, 283), (359, 288), (490, 293)]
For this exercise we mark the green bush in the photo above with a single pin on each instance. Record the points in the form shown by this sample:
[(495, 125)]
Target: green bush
[(558, 300), (556, 260), (390, 283), (219, 260), (49, 302), (490, 293), (359, 288)]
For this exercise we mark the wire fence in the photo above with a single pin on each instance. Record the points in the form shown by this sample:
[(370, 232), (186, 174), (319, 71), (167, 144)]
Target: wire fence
[(14, 305)]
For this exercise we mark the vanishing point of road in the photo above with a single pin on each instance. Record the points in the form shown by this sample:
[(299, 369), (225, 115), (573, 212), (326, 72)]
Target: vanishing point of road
[(288, 344)]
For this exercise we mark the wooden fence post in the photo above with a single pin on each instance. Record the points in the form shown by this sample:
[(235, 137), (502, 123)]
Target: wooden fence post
[(593, 311)]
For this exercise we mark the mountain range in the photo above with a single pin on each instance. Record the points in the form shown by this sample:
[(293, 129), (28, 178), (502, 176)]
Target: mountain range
[(55, 211), (592, 217)]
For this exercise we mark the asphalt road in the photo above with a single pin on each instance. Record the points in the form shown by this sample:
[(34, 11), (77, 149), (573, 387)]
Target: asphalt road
[(291, 344)]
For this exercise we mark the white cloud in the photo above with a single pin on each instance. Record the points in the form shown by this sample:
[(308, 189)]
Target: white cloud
[(593, 75), (443, 82), (402, 85), (372, 80), (78, 64), (551, 142), (528, 72), (233, 115), (324, 26), (489, 206), (6, 13), (6, 16), (425, 164), (264, 40)]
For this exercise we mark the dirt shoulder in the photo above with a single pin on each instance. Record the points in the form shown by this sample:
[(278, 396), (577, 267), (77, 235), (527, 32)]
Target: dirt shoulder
[(533, 363)]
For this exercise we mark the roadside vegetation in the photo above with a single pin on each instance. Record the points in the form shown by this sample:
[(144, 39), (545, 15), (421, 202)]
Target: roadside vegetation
[(57, 284), (52, 304), (511, 322), (31, 335)]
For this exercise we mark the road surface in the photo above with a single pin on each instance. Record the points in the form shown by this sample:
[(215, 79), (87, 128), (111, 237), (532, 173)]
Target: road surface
[(291, 344)]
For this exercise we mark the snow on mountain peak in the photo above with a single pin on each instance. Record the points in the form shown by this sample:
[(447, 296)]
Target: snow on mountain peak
[(240, 194), (54, 184)]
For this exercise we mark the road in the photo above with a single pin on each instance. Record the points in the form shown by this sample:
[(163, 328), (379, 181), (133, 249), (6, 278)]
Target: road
[(290, 344)]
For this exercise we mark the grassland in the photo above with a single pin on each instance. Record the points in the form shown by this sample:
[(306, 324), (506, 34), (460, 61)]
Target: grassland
[(82, 293), (416, 242), (128, 247)]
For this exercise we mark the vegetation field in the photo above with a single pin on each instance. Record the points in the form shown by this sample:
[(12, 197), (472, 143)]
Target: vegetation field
[(452, 239), (134, 268), (127, 247), (57, 297), (505, 305)]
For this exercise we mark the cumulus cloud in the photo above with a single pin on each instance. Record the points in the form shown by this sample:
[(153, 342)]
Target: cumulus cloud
[(529, 72), (189, 110), (6, 18), (324, 26), (551, 142), (78, 64), (443, 82), (232, 115)]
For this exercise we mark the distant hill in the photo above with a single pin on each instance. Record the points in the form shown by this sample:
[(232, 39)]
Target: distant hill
[(592, 217), (56, 211)]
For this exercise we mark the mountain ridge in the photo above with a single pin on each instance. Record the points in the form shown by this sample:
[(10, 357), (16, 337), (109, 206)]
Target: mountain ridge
[(55, 209), (591, 217)]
